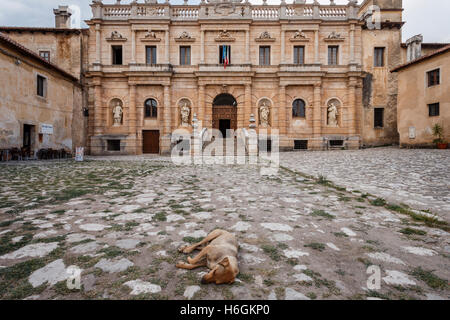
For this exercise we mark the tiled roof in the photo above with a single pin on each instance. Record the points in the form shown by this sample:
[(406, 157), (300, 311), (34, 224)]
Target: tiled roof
[(25, 51), (428, 56)]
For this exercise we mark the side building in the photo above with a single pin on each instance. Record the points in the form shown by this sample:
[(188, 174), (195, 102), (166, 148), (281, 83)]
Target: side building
[(424, 98), (37, 101)]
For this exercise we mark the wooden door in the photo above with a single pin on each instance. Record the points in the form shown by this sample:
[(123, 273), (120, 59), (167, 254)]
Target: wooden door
[(224, 113), (150, 141)]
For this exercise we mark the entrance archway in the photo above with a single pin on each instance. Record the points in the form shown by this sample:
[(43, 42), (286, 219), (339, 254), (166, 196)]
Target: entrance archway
[(224, 114)]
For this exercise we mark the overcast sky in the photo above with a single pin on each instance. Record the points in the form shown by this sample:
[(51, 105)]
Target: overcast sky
[(428, 17)]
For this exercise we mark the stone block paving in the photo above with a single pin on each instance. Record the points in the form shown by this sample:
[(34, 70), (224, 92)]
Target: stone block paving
[(417, 178), (121, 222)]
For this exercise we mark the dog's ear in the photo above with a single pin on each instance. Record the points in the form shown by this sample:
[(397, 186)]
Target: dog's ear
[(225, 262)]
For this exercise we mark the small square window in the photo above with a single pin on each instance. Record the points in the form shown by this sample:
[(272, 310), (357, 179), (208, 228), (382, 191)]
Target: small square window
[(45, 55), (433, 77), (113, 145), (433, 110)]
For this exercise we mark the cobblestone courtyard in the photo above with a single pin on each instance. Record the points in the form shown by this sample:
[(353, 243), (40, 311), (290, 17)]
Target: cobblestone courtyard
[(121, 221)]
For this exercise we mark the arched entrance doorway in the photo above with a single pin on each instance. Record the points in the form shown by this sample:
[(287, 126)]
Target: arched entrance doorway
[(224, 114)]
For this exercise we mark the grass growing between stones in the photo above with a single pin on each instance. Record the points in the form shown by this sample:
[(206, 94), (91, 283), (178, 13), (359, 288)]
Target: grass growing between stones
[(409, 231), (429, 278)]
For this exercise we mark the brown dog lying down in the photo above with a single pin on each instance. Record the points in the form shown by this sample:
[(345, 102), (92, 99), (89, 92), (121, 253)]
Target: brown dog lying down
[(220, 255)]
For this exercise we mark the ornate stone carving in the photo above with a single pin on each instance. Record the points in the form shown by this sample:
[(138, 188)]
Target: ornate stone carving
[(265, 36), (116, 36), (334, 36), (224, 35), (333, 113), (117, 114), (185, 112), (299, 34), (264, 112), (185, 37), (150, 36)]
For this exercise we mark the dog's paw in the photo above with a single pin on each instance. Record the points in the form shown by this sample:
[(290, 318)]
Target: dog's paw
[(181, 249), (180, 264), (190, 260)]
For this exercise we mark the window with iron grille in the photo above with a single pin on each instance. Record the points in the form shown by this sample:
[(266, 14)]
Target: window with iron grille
[(300, 144), (41, 85), (150, 54), (433, 77), (378, 57), (333, 52), (378, 117), (45, 55), (264, 55), (298, 109), (151, 109), (226, 54), (117, 57), (185, 55), (299, 55), (433, 109)]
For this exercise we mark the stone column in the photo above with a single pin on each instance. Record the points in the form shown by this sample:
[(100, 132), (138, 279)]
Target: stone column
[(316, 47), (133, 46), (98, 111), (352, 115), (283, 46), (248, 104), (167, 48), (167, 119), (201, 104), (282, 123), (317, 111), (352, 43), (132, 110), (202, 47), (247, 47), (139, 126), (98, 44)]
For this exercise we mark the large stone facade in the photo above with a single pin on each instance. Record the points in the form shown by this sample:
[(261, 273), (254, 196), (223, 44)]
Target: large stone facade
[(245, 28)]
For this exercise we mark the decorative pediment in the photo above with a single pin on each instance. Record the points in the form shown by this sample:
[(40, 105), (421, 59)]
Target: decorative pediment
[(116, 36), (299, 36), (150, 36), (334, 36), (224, 36), (265, 37), (184, 37)]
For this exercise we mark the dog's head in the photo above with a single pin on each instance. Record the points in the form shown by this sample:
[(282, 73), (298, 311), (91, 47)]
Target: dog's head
[(225, 272)]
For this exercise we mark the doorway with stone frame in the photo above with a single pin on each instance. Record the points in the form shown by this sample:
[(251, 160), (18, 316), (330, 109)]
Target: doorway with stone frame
[(224, 115)]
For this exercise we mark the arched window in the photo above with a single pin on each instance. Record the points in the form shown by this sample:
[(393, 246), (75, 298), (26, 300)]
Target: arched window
[(298, 109), (151, 109), (224, 99)]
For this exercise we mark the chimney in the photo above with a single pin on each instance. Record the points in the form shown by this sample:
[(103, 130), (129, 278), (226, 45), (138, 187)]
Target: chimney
[(414, 47), (62, 17)]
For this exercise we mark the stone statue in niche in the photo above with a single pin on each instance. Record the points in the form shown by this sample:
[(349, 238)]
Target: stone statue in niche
[(117, 114), (185, 112), (299, 34), (332, 114), (264, 112)]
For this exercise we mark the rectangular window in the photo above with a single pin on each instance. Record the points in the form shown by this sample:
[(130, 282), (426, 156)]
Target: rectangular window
[(225, 54), (117, 57), (378, 57), (264, 55), (299, 55), (185, 56), (433, 77), (378, 117), (300, 144), (333, 52), (45, 55), (150, 53), (41, 85), (433, 109)]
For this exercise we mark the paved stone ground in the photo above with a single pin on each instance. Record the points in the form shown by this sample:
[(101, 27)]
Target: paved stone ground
[(417, 178), (122, 222)]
